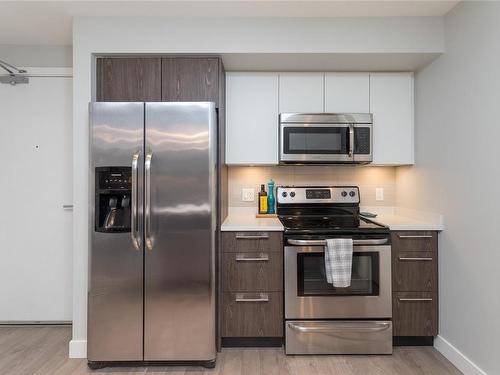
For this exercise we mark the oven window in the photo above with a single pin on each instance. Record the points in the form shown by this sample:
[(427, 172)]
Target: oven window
[(316, 140), (311, 276)]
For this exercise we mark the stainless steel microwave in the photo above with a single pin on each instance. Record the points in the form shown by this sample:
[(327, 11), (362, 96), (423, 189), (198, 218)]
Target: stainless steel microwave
[(324, 138)]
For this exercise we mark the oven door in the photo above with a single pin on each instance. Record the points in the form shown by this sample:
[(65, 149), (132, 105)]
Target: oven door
[(309, 296), (316, 143)]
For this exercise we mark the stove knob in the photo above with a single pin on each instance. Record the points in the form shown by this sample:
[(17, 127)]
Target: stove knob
[(344, 193), (292, 194), (284, 194), (352, 193)]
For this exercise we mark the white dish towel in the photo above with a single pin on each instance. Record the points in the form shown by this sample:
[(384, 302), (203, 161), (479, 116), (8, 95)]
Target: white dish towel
[(338, 261)]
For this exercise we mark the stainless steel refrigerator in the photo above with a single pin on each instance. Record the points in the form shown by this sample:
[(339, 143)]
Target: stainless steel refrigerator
[(153, 209)]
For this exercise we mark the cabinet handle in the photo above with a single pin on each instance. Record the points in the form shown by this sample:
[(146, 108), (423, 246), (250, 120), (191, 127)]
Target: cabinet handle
[(414, 299), (261, 258), (414, 236), (252, 237), (414, 259), (262, 298)]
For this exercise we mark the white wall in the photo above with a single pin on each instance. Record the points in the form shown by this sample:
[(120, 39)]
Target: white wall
[(242, 35), (36, 55), (457, 174)]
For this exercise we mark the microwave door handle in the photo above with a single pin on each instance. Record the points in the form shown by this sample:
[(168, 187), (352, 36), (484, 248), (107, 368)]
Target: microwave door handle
[(351, 140)]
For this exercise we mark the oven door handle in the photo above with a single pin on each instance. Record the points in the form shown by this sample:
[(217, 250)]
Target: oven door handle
[(380, 241), (377, 327)]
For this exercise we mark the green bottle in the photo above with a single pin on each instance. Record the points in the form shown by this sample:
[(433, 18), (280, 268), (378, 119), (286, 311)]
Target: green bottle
[(270, 197)]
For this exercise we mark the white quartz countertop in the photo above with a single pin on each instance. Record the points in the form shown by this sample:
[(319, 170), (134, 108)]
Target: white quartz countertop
[(243, 219), (397, 218), (399, 222)]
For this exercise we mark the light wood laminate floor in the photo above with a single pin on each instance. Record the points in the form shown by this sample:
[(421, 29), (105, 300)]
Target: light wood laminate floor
[(44, 351)]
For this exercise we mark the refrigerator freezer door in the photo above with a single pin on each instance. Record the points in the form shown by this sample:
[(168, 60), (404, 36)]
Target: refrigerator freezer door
[(115, 308), (179, 321)]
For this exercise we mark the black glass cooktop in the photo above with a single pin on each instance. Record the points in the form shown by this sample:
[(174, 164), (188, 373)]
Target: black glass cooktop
[(329, 224)]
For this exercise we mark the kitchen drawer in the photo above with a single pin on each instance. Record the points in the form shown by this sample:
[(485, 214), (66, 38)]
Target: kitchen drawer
[(241, 242), (252, 314), (415, 313), (414, 241), (414, 271), (244, 272)]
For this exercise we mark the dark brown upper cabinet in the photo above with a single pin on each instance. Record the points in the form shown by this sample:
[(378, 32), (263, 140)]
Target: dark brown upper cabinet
[(190, 79), (128, 79)]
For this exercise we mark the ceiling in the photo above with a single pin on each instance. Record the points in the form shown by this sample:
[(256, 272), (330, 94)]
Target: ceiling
[(50, 22)]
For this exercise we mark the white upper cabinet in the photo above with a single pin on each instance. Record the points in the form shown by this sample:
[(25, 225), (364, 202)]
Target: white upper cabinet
[(391, 102), (347, 92), (301, 92), (251, 118), (254, 101)]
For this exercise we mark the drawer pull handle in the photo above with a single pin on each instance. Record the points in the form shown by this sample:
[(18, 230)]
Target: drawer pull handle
[(415, 299), (262, 298), (342, 328), (260, 258), (424, 259), (252, 237), (414, 236)]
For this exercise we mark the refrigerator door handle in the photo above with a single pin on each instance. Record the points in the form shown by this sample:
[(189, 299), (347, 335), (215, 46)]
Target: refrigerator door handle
[(134, 224), (147, 203)]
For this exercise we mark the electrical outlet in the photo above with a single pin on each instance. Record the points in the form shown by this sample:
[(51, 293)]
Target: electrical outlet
[(248, 195), (379, 194)]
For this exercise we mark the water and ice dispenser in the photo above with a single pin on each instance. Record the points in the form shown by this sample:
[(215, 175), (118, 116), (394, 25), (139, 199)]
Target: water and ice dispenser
[(112, 199)]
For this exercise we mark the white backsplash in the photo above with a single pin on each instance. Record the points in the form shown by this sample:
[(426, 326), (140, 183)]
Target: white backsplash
[(366, 177)]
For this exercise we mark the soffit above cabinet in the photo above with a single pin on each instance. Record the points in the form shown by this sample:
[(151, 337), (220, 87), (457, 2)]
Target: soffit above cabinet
[(321, 62)]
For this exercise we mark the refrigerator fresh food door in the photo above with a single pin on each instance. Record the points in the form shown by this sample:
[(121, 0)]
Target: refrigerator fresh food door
[(115, 308), (179, 220)]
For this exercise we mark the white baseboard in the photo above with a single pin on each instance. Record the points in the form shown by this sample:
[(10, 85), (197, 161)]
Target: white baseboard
[(456, 357), (78, 349)]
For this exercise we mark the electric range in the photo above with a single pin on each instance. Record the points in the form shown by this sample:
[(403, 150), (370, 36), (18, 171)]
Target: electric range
[(319, 318)]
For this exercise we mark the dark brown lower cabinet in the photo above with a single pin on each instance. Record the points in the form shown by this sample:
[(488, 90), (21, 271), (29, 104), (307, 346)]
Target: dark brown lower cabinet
[(252, 314), (246, 272), (252, 288), (415, 313), (414, 271), (415, 284)]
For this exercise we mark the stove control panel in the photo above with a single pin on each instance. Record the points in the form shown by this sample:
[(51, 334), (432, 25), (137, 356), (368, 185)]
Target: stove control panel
[(317, 194)]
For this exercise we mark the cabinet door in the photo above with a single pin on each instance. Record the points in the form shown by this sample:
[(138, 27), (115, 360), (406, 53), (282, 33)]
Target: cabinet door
[(252, 314), (246, 272), (391, 102), (414, 271), (301, 92), (415, 314), (190, 79), (251, 118), (128, 79), (347, 92)]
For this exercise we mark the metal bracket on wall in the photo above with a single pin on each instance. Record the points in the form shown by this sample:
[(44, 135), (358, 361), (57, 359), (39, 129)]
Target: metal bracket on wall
[(14, 79)]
